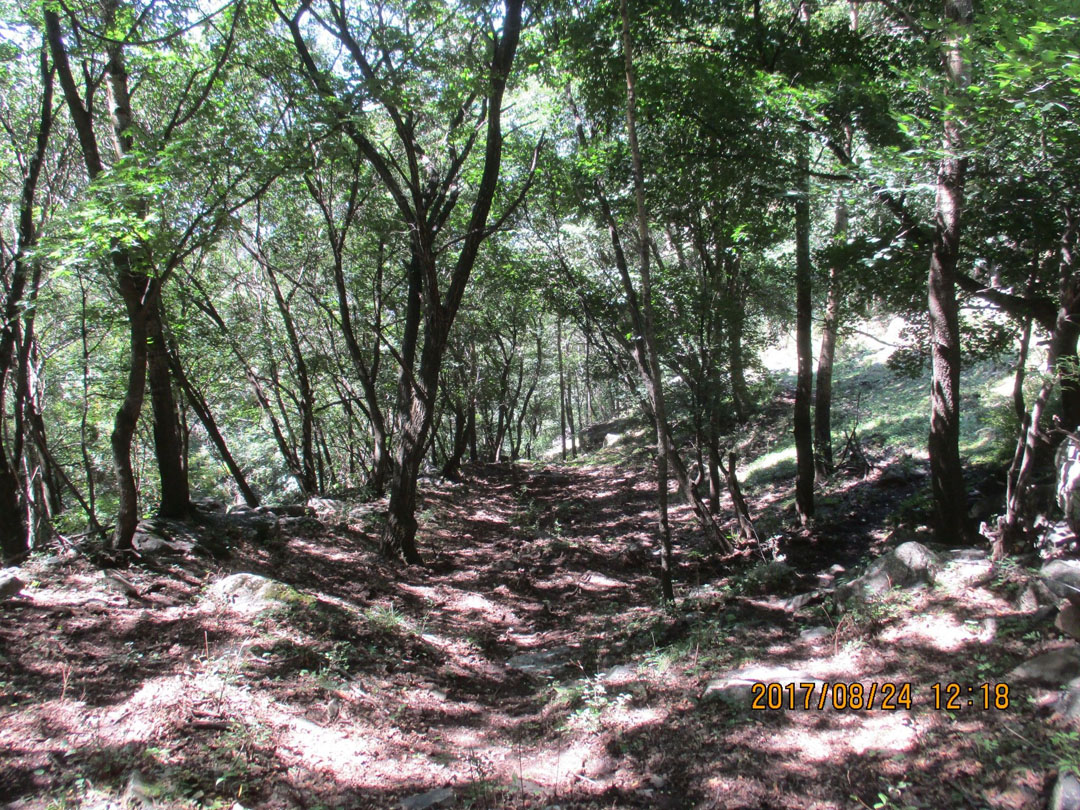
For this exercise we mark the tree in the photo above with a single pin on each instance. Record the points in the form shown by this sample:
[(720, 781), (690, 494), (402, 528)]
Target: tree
[(424, 188)]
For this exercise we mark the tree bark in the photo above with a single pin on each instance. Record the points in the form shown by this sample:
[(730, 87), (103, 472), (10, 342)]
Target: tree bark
[(202, 411), (14, 531), (168, 446), (823, 395), (653, 378), (399, 536), (946, 471), (804, 442)]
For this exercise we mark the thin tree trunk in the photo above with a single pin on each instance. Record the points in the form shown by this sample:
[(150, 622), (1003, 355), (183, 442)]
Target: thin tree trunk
[(823, 395), (738, 502), (653, 379), (309, 479), (562, 391), (202, 411), (804, 442), (946, 471), (1062, 342), (740, 391), (168, 446), (14, 531)]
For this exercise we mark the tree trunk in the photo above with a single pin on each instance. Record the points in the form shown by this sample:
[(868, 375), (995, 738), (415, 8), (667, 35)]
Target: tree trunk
[(14, 532), (168, 446), (460, 444), (202, 411), (823, 395), (740, 392), (946, 471), (399, 537), (653, 379), (804, 443), (127, 417), (1063, 342)]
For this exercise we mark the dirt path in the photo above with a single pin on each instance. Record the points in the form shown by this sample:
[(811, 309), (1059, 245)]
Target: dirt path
[(528, 665)]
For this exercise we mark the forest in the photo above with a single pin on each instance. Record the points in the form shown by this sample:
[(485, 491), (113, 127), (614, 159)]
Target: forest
[(512, 403)]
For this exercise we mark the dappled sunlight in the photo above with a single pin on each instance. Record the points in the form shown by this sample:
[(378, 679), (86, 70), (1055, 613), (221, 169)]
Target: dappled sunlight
[(531, 665)]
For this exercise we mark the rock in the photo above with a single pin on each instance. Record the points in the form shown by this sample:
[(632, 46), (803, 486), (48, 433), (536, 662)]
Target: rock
[(118, 583), (899, 473), (623, 673), (159, 540), (293, 510), (544, 662), (826, 580), (1068, 620), (1050, 669), (1062, 577), (244, 524), (1068, 703), (1067, 461), (10, 584), (433, 798), (966, 568), (799, 601), (1066, 794), (735, 687), (908, 564), (1035, 597), (250, 594), (812, 634)]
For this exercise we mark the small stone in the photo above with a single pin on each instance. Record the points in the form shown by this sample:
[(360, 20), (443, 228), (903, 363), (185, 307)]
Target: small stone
[(1068, 703), (736, 687), (544, 662), (10, 584), (620, 674), (1035, 596), (1051, 669), (812, 634), (120, 584), (1066, 794), (799, 601), (1068, 620), (433, 798)]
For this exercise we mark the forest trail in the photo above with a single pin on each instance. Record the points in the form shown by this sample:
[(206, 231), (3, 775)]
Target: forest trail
[(529, 664)]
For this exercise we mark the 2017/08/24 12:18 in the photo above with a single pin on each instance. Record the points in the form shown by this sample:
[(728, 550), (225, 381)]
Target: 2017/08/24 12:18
[(857, 696)]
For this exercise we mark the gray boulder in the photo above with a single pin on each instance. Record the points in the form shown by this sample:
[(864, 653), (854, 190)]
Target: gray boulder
[(163, 539), (1051, 669), (10, 584), (1062, 577), (1066, 794), (1035, 596), (433, 798), (1068, 703), (249, 594), (908, 564), (1068, 620)]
